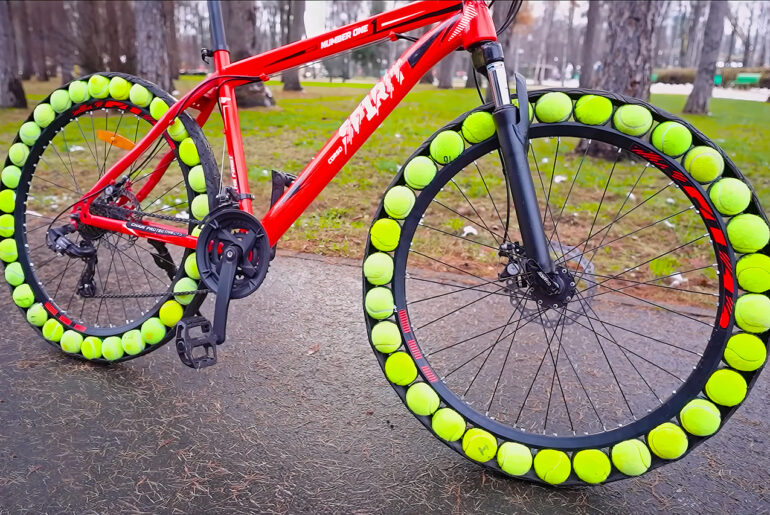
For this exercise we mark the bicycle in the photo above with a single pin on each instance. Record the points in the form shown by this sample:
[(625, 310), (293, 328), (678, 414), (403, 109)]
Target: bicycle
[(470, 219)]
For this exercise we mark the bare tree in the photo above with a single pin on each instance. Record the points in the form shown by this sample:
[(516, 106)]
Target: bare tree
[(171, 38), (694, 38), (295, 21), (698, 101), (24, 48), (542, 56), (152, 52), (446, 70), (567, 42), (11, 90)]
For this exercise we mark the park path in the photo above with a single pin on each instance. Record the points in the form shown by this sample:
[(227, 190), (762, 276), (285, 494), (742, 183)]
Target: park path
[(296, 418)]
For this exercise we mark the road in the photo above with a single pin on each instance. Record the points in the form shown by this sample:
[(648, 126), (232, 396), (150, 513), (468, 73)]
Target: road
[(296, 418)]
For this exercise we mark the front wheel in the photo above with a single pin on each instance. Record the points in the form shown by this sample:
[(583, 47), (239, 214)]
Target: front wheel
[(628, 371)]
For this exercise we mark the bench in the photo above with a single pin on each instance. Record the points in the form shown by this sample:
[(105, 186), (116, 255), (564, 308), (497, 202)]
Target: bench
[(747, 79)]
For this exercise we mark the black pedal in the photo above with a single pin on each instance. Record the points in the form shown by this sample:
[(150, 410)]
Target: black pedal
[(281, 181), (192, 333)]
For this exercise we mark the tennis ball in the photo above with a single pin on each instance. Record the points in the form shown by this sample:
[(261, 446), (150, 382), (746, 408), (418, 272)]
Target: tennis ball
[(400, 368), (398, 202), (745, 352), (479, 445), (671, 138), (197, 179), (18, 153), (158, 108), (631, 457), (748, 233), (726, 387), (422, 399), (188, 153), (43, 115), (591, 465), (78, 91), (752, 272), (23, 296), (71, 341), (514, 458), (112, 348), (448, 424), (8, 251), (633, 120), (98, 86), (552, 466), (14, 275), (386, 337), (170, 313), (153, 331), (385, 234), (91, 348), (419, 172), (7, 200), (700, 417), (378, 268), (185, 284), (752, 313), (667, 441), (379, 303), (478, 126), (60, 100), (553, 107), (593, 110), (52, 330), (200, 206), (196, 231), (177, 130), (29, 132), (515, 102), (132, 342), (446, 146), (37, 315), (191, 267), (704, 164), (119, 88), (6, 225), (730, 196), (11, 176), (140, 95)]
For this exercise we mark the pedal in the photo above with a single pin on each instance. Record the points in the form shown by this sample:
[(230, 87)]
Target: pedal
[(281, 181), (193, 333)]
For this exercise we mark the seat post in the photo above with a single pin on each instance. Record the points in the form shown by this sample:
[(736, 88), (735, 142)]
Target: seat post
[(217, 25)]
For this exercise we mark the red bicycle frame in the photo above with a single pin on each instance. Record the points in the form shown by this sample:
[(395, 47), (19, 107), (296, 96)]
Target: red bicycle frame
[(463, 24)]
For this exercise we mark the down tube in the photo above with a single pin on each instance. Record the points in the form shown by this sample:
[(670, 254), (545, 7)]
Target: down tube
[(367, 116)]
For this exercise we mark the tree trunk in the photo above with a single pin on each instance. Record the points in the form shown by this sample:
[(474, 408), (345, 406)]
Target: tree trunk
[(747, 46), (698, 101), (567, 42), (470, 82), (592, 24), (11, 90), (428, 77), (730, 45), (542, 56), (24, 46), (171, 43), (696, 29), (151, 50), (61, 39), (39, 33), (446, 70), (296, 24)]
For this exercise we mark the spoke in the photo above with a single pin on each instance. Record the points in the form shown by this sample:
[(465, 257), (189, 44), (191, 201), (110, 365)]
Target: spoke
[(147, 206), (547, 212), (446, 264), (36, 176), (494, 205), (470, 220), (120, 120), (459, 237), (456, 310), (474, 209), (69, 170), (85, 140), (459, 290), (555, 377), (651, 283), (491, 350), (569, 192)]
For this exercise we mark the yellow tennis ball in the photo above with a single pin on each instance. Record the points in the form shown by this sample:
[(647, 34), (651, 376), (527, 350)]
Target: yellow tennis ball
[(446, 146), (400, 368), (23, 296), (177, 130), (700, 417), (8, 251), (71, 341), (591, 465), (197, 179), (18, 154), (37, 315), (704, 164), (91, 348), (593, 110), (378, 268), (479, 445), (10, 176), (153, 331), (29, 132), (422, 399), (730, 196), (726, 387), (631, 457), (119, 88), (7, 201), (60, 100), (7, 225), (478, 126), (200, 206), (188, 152), (385, 234), (672, 138), (112, 348), (745, 352), (748, 233), (98, 86), (379, 303), (191, 267), (43, 115), (634, 120), (158, 108), (140, 95), (386, 337), (398, 202), (515, 102), (53, 330), (132, 342), (514, 458), (78, 92), (752, 313), (667, 441), (185, 284), (419, 172), (552, 466), (448, 424), (14, 275), (553, 107), (752, 272), (170, 313)]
